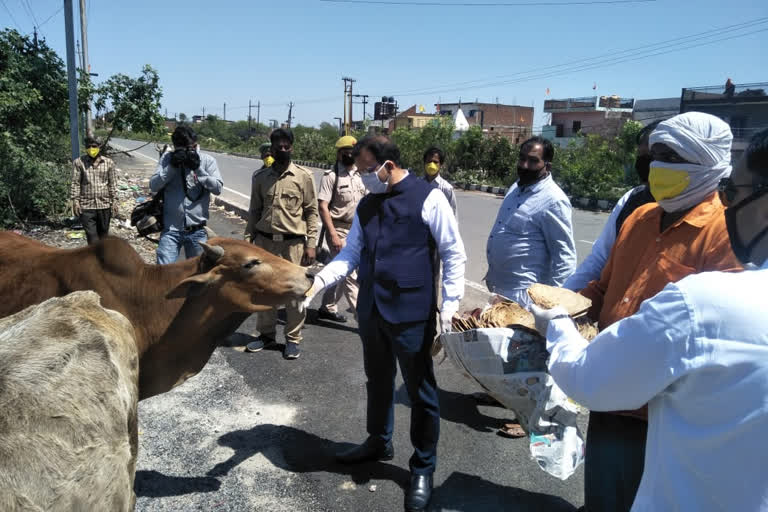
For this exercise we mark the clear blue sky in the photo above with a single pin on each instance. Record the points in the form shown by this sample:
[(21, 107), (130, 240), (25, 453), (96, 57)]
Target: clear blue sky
[(208, 53)]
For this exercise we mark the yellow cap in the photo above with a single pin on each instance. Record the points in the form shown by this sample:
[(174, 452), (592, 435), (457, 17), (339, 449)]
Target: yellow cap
[(346, 141)]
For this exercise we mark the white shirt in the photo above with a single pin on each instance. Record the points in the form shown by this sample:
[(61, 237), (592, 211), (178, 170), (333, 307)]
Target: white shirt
[(591, 268), (531, 240), (697, 353), (447, 189), (438, 216)]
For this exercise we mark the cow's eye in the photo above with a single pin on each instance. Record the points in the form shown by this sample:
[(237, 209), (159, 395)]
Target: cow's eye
[(251, 263)]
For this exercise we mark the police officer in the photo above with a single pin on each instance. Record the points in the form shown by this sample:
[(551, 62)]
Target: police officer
[(340, 190), (283, 220)]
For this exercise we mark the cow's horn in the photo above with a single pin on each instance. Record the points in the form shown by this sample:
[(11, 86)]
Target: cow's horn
[(212, 252)]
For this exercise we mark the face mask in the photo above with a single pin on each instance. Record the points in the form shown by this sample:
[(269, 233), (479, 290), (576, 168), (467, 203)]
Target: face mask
[(92, 152), (347, 160), (667, 183), (372, 182), (643, 167), (283, 157), (268, 161), (742, 250), (432, 168)]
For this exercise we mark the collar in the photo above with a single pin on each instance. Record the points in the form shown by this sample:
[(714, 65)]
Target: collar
[(291, 169), (397, 187), (536, 186), (700, 215), (95, 161)]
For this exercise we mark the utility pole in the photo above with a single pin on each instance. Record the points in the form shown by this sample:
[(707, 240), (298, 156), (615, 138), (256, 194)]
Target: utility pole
[(69, 31), (249, 117), (86, 64), (258, 112), (225, 110), (341, 128), (364, 102), (348, 103), (290, 114), (203, 113)]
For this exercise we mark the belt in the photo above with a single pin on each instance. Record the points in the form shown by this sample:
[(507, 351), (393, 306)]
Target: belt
[(196, 227), (341, 224), (279, 237)]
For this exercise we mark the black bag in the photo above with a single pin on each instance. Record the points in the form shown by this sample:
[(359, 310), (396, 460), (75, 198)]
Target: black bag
[(148, 216)]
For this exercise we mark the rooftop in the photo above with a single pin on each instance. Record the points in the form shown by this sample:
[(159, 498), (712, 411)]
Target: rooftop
[(590, 103), (736, 93)]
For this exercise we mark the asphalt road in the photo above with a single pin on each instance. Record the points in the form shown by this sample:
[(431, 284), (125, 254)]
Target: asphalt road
[(477, 210), (256, 432)]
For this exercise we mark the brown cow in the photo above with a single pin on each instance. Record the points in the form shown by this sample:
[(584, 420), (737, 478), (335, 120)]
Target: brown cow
[(179, 311)]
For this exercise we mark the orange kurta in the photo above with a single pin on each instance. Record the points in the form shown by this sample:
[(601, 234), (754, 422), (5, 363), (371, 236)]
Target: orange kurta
[(644, 260)]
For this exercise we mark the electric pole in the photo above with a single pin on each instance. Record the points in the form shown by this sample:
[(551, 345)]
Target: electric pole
[(69, 30), (86, 64), (203, 113), (290, 114), (225, 110), (249, 117), (364, 102), (348, 103), (258, 112)]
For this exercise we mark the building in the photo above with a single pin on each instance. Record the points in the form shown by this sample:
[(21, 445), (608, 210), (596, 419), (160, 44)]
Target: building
[(658, 109), (413, 117), (600, 115), (743, 106), (511, 121)]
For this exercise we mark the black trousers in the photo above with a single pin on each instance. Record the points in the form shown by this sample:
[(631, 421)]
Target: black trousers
[(96, 224), (385, 345)]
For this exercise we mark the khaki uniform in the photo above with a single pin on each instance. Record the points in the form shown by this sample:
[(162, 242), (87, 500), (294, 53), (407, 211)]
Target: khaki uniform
[(342, 205), (283, 220)]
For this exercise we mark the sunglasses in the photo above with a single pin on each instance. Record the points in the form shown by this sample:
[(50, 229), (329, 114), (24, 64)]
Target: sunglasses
[(729, 189)]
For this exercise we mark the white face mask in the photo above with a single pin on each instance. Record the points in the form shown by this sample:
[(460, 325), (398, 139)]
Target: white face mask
[(372, 182)]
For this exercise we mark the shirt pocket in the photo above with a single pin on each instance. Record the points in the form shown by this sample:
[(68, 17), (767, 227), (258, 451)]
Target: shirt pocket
[(520, 223)]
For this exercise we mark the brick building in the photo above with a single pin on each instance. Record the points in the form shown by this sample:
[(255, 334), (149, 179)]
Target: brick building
[(514, 122), (600, 115)]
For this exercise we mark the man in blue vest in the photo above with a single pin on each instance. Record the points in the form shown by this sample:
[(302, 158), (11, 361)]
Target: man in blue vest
[(398, 231)]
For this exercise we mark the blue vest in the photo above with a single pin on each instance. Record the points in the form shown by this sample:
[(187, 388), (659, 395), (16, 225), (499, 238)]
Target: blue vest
[(397, 264)]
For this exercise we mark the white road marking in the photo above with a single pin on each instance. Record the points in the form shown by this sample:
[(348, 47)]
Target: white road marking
[(123, 148)]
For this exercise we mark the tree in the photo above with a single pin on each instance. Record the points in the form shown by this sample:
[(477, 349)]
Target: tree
[(134, 101), (34, 146)]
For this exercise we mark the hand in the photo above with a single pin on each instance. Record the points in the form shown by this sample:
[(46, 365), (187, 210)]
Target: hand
[(76, 210), (446, 325), (309, 256), (317, 286), (115, 209), (336, 242), (544, 316)]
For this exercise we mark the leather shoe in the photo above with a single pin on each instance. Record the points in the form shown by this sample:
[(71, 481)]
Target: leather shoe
[(370, 450), (419, 493), (324, 314)]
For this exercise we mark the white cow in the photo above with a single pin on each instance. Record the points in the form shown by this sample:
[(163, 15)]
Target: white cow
[(68, 407)]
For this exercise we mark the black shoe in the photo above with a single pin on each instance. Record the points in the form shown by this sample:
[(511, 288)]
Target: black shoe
[(327, 315), (291, 350), (259, 343), (370, 450), (419, 493)]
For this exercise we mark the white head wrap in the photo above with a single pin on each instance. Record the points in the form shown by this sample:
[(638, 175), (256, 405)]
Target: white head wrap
[(705, 141)]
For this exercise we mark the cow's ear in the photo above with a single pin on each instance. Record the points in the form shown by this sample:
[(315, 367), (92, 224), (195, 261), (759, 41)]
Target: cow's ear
[(192, 286)]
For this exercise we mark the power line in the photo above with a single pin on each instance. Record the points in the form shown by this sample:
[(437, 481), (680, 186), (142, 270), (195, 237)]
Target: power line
[(57, 11), (11, 15), (30, 12), (633, 51), (487, 4), (575, 69)]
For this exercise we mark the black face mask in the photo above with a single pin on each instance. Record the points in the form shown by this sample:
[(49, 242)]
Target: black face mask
[(185, 158), (347, 160), (643, 167), (282, 157), (742, 250)]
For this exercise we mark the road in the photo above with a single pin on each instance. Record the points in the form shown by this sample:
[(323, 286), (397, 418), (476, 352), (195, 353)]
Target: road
[(256, 432), (477, 210)]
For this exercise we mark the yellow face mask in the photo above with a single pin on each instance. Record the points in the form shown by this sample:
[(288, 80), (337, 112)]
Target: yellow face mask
[(432, 168), (92, 152), (667, 183), (268, 161)]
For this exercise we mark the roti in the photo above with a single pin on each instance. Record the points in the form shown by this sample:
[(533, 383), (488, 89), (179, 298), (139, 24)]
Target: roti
[(548, 297)]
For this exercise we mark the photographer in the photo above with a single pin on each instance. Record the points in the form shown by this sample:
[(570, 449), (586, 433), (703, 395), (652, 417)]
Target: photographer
[(188, 178)]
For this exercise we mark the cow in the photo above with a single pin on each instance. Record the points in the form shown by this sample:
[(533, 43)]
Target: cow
[(179, 311), (68, 407)]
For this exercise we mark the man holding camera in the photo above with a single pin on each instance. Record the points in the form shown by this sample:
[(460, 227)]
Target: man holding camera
[(188, 178)]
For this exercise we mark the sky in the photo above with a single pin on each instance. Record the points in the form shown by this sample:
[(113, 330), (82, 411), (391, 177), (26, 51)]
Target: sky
[(208, 53)]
